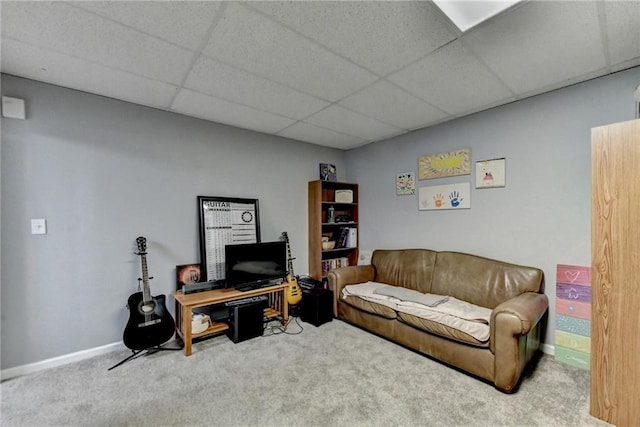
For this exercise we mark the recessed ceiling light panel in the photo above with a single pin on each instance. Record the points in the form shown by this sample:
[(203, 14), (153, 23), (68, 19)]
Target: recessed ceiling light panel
[(467, 14)]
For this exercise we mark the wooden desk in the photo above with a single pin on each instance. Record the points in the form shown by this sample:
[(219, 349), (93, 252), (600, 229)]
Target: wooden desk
[(187, 302)]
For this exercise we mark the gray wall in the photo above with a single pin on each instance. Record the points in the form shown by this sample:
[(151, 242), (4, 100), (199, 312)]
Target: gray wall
[(541, 218), (103, 172)]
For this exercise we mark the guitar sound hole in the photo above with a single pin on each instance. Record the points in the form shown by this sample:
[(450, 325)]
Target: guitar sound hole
[(147, 307)]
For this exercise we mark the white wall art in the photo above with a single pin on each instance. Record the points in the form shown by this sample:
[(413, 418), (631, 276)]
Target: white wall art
[(406, 183), (449, 196), (490, 173)]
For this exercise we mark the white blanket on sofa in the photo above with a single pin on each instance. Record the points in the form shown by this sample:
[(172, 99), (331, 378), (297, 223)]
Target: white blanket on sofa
[(466, 317)]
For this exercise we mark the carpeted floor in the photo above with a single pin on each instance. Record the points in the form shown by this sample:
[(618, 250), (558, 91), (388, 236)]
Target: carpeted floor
[(333, 375)]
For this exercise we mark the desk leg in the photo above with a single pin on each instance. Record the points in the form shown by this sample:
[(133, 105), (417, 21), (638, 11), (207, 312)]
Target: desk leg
[(186, 329), (285, 308)]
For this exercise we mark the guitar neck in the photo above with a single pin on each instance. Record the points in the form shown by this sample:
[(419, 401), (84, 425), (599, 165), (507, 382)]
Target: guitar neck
[(146, 293), (290, 260)]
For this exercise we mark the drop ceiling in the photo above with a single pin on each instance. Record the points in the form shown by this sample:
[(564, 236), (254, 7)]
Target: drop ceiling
[(338, 74)]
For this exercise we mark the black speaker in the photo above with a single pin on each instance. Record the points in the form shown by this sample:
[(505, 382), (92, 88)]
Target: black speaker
[(316, 306), (246, 321)]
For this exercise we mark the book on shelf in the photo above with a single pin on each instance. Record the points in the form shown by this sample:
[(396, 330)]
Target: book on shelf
[(342, 239), (352, 238), (346, 237), (330, 264)]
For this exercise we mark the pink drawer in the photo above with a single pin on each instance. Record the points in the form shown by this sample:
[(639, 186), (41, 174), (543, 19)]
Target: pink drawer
[(573, 275), (573, 308)]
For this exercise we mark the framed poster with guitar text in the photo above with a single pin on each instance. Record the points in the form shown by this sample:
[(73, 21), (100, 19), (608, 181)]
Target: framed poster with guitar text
[(224, 221)]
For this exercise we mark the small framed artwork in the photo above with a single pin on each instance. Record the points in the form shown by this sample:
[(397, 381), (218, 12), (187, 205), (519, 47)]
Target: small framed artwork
[(328, 172), (491, 173), (405, 183), (187, 274)]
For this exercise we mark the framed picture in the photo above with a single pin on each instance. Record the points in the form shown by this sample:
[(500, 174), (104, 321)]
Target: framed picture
[(405, 183), (441, 197), (188, 274), (441, 165), (490, 173), (328, 172), (224, 221)]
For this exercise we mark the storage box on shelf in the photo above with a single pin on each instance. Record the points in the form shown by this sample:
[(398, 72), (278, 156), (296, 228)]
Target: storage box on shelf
[(333, 217)]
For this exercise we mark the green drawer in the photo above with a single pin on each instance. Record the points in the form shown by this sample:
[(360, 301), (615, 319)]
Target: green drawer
[(573, 341), (572, 357)]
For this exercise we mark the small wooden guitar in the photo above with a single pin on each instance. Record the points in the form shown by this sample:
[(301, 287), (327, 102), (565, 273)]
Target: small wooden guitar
[(150, 324), (294, 292)]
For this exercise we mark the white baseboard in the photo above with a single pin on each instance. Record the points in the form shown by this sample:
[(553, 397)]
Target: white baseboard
[(548, 349), (31, 368)]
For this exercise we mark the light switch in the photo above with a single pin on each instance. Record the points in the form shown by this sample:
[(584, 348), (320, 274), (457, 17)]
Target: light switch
[(38, 226)]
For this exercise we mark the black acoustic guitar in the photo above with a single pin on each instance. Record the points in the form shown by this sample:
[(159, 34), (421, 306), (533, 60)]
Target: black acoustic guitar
[(150, 324)]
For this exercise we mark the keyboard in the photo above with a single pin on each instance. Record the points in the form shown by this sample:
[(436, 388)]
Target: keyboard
[(248, 300)]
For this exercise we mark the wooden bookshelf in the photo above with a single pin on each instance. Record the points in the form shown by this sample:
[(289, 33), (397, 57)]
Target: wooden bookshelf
[(322, 197)]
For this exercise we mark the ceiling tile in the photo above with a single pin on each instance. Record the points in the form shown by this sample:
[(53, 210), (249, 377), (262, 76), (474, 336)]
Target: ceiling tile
[(623, 30), (345, 121), (389, 104), (541, 43), (452, 80), (223, 81), (34, 63), (317, 135), (207, 107), (66, 29), (245, 39), (184, 23), (388, 66), (382, 36)]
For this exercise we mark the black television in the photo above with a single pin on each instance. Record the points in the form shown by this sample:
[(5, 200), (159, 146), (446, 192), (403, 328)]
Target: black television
[(253, 265)]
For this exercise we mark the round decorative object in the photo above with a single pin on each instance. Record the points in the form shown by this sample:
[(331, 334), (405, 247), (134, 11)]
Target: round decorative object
[(247, 216), (327, 246), (199, 323)]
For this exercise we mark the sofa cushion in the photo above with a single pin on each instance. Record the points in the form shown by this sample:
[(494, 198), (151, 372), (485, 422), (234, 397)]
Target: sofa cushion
[(482, 281), (440, 329), (457, 319), (409, 268), (370, 306), (404, 294), (471, 321), (363, 296)]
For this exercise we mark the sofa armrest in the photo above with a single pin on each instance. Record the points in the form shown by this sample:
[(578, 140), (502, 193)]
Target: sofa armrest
[(517, 316), (516, 328), (341, 277)]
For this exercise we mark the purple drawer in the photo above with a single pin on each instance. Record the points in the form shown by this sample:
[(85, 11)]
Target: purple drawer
[(574, 292)]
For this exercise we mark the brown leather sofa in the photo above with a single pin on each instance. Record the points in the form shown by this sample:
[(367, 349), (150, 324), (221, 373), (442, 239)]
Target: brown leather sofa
[(514, 294)]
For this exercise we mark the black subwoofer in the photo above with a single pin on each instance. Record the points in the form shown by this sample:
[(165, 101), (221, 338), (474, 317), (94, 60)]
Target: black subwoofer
[(316, 306), (246, 321)]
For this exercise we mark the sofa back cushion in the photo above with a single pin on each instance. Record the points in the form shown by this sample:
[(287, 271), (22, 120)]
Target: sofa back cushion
[(409, 268), (482, 281)]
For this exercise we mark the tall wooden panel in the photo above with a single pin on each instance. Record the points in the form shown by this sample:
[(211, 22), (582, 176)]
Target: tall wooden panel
[(615, 252)]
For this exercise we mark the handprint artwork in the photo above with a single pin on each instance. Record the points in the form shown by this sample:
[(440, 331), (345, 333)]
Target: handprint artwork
[(455, 199), (441, 197)]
